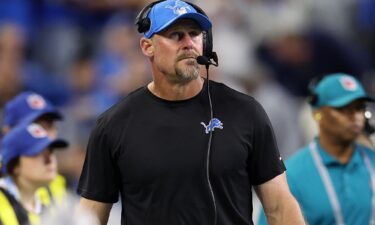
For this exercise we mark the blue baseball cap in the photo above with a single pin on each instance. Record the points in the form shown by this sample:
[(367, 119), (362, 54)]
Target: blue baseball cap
[(26, 107), (165, 13), (338, 90), (27, 140)]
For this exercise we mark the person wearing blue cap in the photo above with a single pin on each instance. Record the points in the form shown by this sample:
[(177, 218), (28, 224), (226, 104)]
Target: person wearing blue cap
[(333, 177), (28, 164), (177, 153), (30, 107)]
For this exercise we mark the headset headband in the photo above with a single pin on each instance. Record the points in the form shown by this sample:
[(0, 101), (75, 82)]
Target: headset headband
[(143, 24)]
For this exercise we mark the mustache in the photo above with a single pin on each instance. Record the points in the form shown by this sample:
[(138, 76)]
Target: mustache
[(187, 55)]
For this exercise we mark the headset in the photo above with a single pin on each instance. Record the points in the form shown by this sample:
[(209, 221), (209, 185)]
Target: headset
[(313, 98), (369, 122), (143, 24)]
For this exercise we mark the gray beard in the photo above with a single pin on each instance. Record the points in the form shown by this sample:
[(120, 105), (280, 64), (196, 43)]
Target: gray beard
[(187, 75)]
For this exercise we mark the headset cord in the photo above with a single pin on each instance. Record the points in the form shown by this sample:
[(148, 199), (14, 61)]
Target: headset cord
[(209, 149)]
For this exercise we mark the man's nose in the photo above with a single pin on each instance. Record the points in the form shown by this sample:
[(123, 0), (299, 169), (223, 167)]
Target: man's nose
[(187, 40)]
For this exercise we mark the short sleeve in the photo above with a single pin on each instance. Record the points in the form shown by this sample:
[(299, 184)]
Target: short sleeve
[(265, 160), (99, 177)]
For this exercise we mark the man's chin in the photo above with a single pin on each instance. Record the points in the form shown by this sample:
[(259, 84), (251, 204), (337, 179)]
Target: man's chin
[(189, 62), (187, 75)]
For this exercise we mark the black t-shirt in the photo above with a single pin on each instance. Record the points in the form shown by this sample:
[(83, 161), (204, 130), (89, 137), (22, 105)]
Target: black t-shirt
[(154, 153)]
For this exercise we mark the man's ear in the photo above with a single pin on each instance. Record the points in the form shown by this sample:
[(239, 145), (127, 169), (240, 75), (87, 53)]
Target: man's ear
[(147, 47)]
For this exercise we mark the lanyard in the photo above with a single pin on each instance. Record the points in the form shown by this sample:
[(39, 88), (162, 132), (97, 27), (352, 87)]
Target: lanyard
[(370, 168), (323, 172), (8, 184)]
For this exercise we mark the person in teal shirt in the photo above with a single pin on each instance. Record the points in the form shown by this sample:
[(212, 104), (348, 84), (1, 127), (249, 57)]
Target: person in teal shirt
[(333, 177)]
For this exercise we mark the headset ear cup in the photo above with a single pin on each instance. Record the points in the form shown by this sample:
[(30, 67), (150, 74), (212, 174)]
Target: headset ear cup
[(142, 22), (313, 99), (144, 25)]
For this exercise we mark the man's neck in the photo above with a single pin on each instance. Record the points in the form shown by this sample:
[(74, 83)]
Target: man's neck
[(341, 150), (174, 92)]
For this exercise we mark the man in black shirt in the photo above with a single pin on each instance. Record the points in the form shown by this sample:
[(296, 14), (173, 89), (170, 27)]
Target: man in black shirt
[(184, 150)]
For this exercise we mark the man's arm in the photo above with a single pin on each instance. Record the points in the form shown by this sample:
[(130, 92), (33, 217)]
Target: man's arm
[(278, 203), (100, 210)]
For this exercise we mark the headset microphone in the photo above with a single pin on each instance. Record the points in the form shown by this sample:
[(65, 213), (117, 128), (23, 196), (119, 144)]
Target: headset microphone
[(203, 60)]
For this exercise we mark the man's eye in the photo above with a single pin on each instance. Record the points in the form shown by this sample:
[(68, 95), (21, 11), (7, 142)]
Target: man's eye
[(195, 33), (177, 35)]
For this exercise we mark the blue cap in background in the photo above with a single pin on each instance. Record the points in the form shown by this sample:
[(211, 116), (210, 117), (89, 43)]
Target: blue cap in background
[(338, 90), (26, 108), (27, 140), (165, 13)]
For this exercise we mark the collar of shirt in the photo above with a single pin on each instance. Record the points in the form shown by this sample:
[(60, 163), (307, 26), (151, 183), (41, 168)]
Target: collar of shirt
[(329, 160), (8, 184)]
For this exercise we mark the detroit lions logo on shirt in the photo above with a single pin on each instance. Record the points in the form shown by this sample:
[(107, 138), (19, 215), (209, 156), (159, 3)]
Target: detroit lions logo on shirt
[(179, 8), (214, 123)]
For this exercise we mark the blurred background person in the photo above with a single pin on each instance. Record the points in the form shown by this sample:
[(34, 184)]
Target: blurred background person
[(27, 108), (28, 164), (19, 72), (332, 177), (296, 54), (119, 64)]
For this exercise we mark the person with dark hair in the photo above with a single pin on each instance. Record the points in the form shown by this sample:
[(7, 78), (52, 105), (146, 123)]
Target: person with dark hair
[(28, 164), (333, 177), (184, 149)]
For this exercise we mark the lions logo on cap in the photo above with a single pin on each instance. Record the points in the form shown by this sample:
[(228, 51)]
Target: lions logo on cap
[(179, 7), (36, 131), (348, 83), (36, 101)]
